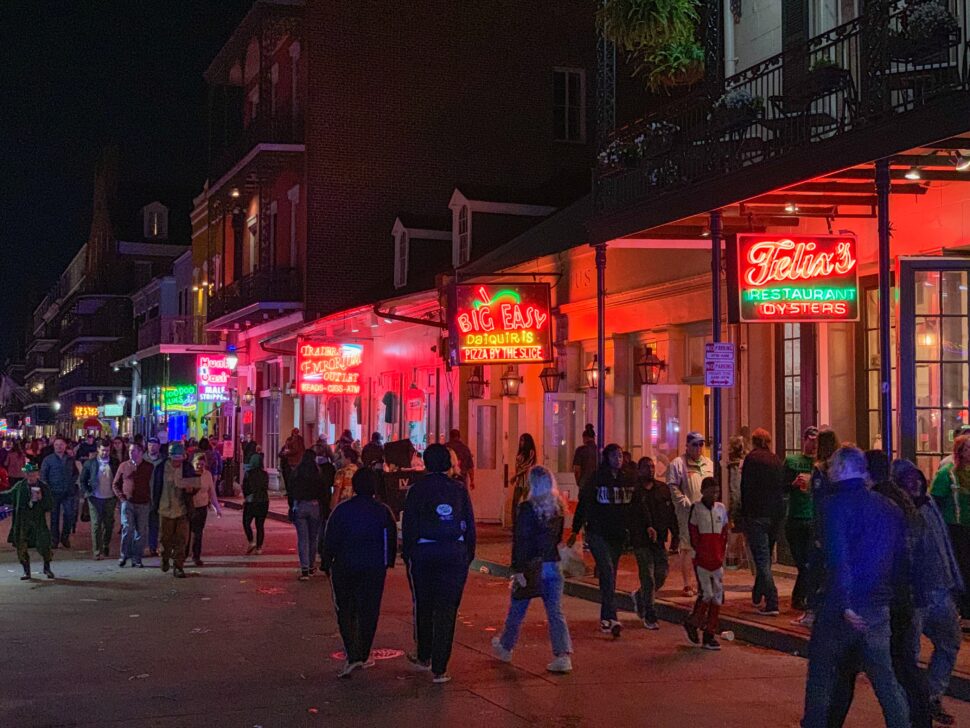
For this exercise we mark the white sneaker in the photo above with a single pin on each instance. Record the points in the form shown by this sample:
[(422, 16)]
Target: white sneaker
[(806, 620), (440, 679), (561, 664), (348, 668), (605, 626), (368, 664), (500, 652), (651, 625)]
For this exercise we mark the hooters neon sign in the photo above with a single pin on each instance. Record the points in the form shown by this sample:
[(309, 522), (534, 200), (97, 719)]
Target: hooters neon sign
[(326, 368), (502, 323), (798, 278)]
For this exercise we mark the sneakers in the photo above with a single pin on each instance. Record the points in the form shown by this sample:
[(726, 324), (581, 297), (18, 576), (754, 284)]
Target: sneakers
[(615, 628), (47, 571), (139, 565), (25, 577), (66, 542), (806, 620), (252, 547), (692, 635), (605, 626), (710, 642), (198, 562), (562, 664), (98, 556), (651, 624), (418, 663), (938, 714), (688, 591), (123, 563), (259, 552), (179, 572), (500, 652), (369, 663), (304, 575), (441, 679), (768, 611), (348, 668), (164, 564)]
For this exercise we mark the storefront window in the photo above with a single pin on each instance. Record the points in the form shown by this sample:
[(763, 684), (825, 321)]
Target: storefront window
[(792, 386), (872, 359), (560, 444)]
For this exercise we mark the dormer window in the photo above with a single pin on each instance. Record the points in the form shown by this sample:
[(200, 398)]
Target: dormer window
[(401, 253), (464, 237)]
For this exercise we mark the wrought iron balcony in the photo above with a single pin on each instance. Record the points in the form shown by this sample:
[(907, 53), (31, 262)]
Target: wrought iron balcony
[(174, 330), (265, 129), (259, 290), (858, 75)]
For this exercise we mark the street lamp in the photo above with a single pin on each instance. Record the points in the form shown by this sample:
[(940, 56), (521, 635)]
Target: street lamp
[(510, 383), (593, 373), (476, 384), (550, 378), (248, 397), (232, 359), (56, 406), (650, 366), (120, 399)]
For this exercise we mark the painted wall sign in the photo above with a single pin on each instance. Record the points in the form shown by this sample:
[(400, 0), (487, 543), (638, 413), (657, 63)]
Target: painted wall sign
[(328, 368), (501, 323), (180, 398), (212, 377), (797, 278), (84, 411)]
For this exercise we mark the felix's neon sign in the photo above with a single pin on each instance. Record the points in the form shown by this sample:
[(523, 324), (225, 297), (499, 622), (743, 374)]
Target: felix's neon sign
[(501, 325), (798, 278)]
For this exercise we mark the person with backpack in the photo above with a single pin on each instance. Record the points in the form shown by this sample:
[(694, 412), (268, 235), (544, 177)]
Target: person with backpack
[(360, 545), (438, 545)]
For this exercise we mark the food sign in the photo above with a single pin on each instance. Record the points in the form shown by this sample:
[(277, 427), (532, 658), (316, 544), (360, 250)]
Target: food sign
[(328, 368), (501, 324)]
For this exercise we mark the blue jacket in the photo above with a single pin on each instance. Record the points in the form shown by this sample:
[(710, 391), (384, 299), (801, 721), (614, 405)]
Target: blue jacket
[(59, 473), (361, 534), (865, 549)]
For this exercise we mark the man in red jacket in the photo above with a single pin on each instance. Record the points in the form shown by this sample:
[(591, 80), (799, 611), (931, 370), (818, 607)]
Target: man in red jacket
[(708, 526)]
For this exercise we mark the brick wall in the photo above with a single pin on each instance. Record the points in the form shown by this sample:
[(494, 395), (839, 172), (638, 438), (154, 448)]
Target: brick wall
[(404, 101)]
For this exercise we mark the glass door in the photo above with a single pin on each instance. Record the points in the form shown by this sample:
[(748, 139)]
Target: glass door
[(564, 419), (486, 436), (666, 421), (934, 376)]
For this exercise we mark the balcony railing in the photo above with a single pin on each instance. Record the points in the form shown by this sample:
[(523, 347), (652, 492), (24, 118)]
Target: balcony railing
[(174, 330), (852, 76), (282, 285), (282, 128)]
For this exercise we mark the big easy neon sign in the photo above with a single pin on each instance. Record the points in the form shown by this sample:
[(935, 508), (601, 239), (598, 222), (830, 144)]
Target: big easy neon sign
[(798, 278), (326, 368), (501, 324)]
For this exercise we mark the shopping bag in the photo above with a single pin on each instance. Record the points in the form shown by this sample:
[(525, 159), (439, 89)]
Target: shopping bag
[(571, 560)]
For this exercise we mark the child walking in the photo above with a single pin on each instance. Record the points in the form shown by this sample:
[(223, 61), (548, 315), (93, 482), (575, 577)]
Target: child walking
[(708, 526)]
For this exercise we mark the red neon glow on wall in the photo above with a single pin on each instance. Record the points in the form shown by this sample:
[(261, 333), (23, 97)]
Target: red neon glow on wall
[(501, 324), (798, 278), (325, 368)]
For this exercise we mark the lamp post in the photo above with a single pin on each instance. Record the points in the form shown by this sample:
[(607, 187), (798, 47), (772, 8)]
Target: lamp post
[(510, 383), (476, 384), (593, 373), (649, 366), (550, 378)]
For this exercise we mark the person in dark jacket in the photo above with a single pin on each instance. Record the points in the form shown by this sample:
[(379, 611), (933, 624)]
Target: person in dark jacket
[(438, 544), (762, 509), (538, 533), (653, 519), (306, 495), (867, 566), (360, 545), (373, 451), (603, 510), (255, 487), (97, 476)]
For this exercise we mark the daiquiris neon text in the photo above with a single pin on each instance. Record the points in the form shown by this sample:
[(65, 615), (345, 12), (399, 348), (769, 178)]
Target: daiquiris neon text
[(502, 323), (797, 278)]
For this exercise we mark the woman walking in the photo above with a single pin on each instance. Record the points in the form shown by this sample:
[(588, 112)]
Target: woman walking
[(535, 551), (525, 460), (306, 494), (201, 500), (256, 502)]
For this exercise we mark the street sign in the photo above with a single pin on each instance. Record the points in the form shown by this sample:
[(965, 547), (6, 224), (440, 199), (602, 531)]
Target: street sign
[(719, 364)]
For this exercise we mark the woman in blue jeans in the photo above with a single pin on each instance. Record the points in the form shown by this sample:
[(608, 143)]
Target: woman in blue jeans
[(306, 493), (538, 533)]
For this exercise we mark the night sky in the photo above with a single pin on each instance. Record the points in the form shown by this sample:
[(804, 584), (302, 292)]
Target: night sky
[(75, 76)]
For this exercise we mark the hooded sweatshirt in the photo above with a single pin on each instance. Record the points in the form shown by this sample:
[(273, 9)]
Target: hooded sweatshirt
[(604, 504)]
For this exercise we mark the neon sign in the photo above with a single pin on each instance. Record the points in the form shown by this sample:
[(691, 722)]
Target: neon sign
[(212, 376), (798, 278), (501, 324), (180, 398), (84, 411), (325, 368)]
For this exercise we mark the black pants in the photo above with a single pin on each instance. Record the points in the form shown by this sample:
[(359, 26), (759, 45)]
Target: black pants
[(798, 531), (437, 582), (197, 519), (255, 512), (960, 536), (357, 597)]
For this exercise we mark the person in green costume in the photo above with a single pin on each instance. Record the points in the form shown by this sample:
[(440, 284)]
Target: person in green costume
[(32, 501)]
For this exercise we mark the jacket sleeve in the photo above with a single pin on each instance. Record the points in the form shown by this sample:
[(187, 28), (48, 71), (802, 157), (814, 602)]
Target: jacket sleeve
[(695, 534), (586, 493), (409, 524), (522, 535), (332, 538), (673, 482), (45, 470), (836, 547), (86, 488), (471, 536), (390, 536)]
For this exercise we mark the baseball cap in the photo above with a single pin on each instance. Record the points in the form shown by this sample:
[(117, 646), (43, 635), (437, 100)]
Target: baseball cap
[(30, 468), (155, 440), (810, 431), (176, 449), (695, 437)]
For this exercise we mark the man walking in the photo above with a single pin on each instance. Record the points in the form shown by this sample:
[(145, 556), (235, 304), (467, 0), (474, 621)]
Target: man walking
[(174, 482), (798, 526), (31, 499), (97, 478), (438, 546), (586, 458), (360, 545), (153, 457), (133, 487), (373, 451), (684, 477), (762, 508), (866, 564), (58, 471)]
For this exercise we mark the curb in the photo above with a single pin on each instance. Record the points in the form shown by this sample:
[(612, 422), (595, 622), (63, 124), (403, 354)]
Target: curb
[(753, 633), (272, 515)]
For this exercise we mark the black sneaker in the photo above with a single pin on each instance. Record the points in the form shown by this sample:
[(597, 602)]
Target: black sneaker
[(938, 714), (66, 542), (692, 635), (710, 642), (164, 564), (417, 662), (48, 573), (25, 577), (178, 572), (305, 575)]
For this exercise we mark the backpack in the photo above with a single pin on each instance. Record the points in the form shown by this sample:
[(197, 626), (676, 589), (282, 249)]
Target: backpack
[(443, 517)]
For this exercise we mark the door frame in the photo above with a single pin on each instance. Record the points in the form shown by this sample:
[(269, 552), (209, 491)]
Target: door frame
[(501, 466), (565, 480), (683, 407)]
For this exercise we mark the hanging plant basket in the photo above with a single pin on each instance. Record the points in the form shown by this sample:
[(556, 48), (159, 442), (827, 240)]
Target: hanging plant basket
[(688, 76)]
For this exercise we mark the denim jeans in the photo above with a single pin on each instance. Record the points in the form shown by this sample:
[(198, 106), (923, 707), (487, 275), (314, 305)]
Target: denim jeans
[(134, 528), (63, 515), (606, 552), (761, 540), (653, 567), (307, 521), (940, 622), (833, 641), (552, 582)]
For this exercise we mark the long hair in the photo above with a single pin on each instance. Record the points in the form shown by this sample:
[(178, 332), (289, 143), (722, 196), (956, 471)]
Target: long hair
[(544, 494), (308, 466), (527, 446), (828, 443)]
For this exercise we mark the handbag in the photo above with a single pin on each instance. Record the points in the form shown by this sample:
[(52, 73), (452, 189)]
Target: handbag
[(533, 581)]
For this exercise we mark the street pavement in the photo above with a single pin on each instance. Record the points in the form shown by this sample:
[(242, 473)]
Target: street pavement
[(242, 643)]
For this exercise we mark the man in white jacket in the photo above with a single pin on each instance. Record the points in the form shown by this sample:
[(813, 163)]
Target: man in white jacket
[(684, 477)]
